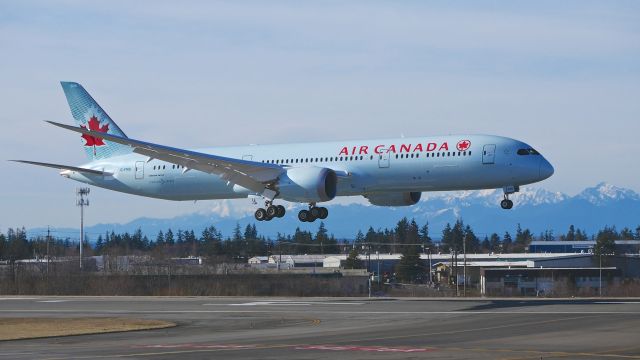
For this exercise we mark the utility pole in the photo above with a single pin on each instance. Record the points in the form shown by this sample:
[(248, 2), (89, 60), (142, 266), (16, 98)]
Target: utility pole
[(464, 270), (48, 240), (430, 268), (82, 201)]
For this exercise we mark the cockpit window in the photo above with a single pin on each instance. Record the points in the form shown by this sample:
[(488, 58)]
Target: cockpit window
[(527, 152)]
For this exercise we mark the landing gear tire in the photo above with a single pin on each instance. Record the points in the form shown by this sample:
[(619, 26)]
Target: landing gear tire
[(305, 216), (281, 211), (261, 215), (506, 204), (323, 213), (272, 211), (315, 212)]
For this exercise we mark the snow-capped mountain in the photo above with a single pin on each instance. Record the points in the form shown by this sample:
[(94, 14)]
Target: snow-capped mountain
[(535, 208), (604, 193)]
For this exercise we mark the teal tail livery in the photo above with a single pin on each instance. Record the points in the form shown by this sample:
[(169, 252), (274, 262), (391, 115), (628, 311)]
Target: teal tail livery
[(89, 115), (387, 172)]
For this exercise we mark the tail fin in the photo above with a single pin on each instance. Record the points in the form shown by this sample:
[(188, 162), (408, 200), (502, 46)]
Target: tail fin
[(88, 114)]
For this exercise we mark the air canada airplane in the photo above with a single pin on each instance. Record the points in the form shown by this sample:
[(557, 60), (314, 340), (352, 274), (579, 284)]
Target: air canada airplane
[(388, 172)]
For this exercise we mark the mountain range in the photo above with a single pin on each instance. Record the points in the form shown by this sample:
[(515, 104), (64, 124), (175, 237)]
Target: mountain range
[(535, 208)]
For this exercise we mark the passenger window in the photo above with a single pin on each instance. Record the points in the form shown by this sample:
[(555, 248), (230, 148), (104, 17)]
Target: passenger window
[(469, 153), (448, 153), (396, 156), (464, 153)]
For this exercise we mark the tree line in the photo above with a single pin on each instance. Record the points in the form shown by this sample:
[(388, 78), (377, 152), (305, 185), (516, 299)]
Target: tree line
[(406, 237)]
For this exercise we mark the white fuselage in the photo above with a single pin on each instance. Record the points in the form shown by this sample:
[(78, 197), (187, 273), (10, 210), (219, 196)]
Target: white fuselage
[(364, 167)]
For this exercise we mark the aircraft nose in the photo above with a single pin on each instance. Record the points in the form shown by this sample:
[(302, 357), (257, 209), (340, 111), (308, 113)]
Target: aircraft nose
[(546, 169)]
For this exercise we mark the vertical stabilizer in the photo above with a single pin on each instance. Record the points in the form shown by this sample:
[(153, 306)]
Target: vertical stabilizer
[(88, 114)]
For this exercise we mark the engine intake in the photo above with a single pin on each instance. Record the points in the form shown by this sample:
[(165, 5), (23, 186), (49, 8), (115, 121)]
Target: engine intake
[(394, 198), (308, 184)]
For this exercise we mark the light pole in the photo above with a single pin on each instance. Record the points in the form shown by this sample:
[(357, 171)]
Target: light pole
[(82, 201), (378, 255), (600, 281)]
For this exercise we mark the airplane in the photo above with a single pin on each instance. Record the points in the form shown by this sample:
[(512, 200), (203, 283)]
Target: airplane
[(387, 172)]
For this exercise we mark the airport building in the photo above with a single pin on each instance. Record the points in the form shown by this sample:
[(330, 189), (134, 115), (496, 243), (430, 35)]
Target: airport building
[(581, 247)]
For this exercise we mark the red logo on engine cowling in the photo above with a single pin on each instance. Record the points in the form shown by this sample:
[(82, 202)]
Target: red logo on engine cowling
[(463, 145)]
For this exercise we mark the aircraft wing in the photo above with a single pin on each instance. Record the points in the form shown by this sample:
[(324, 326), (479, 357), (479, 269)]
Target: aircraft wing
[(65, 167), (249, 174)]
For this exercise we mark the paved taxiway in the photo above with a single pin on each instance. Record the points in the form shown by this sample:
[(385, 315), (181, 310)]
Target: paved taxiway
[(354, 328)]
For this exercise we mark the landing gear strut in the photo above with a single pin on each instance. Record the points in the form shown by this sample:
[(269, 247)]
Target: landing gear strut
[(313, 213), (271, 211)]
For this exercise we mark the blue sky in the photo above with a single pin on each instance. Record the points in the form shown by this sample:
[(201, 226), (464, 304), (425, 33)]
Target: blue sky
[(564, 77)]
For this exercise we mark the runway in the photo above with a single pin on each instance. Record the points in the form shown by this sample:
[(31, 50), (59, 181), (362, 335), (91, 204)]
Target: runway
[(330, 328)]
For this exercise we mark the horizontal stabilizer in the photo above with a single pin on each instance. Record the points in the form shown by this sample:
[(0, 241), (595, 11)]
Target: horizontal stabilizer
[(251, 175), (65, 167)]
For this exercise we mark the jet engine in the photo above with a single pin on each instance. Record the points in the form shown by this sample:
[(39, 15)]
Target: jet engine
[(308, 184), (394, 198)]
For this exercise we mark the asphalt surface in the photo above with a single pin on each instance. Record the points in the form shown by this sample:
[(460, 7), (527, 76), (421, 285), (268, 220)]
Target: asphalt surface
[(338, 328)]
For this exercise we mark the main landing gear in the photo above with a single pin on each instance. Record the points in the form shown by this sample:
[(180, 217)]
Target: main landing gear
[(271, 211), (313, 213)]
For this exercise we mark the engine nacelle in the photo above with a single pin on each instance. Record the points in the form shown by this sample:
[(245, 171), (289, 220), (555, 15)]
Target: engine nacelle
[(394, 198), (308, 184)]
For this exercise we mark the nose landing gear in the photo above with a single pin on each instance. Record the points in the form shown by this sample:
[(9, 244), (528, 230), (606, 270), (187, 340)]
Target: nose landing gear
[(506, 203), (508, 190), (271, 211), (313, 213)]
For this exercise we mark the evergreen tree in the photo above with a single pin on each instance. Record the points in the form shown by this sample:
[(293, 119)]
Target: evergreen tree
[(321, 237), (353, 260), (486, 245), (3, 247), (581, 235), (99, 245), (507, 242), (160, 238), (179, 237), (605, 241), (237, 233), (211, 241), (424, 235), (522, 240), (495, 242), (410, 266), (471, 242), (626, 234), (571, 234), (169, 238)]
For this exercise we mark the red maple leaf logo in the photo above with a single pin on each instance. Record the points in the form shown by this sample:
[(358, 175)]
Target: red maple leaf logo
[(463, 145), (94, 125)]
